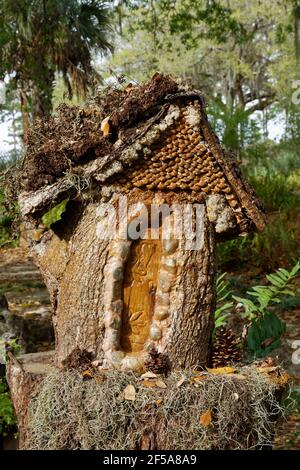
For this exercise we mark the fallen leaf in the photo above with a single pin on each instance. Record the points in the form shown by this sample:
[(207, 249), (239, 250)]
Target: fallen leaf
[(284, 378), (148, 375), (280, 378), (181, 381), (268, 362), (267, 369), (149, 383), (159, 401), (105, 127), (129, 393), (160, 384), (87, 374), (222, 370), (206, 418), (197, 378), (128, 88)]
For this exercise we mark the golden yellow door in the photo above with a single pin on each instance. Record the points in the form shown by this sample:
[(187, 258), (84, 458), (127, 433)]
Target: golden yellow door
[(140, 283)]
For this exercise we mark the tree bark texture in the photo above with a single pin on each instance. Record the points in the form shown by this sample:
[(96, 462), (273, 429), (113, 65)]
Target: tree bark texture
[(85, 273), (24, 376)]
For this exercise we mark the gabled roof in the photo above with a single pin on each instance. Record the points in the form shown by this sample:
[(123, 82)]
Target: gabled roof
[(159, 140)]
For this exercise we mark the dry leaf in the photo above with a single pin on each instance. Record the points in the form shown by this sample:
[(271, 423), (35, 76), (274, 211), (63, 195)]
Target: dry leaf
[(268, 362), (149, 375), (206, 418), (283, 379), (87, 374), (160, 384), (105, 127), (280, 378), (159, 401), (199, 377), (221, 370), (181, 381), (149, 383), (129, 393), (128, 88), (267, 369)]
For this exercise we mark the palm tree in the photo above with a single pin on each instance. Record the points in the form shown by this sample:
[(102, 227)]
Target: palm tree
[(39, 38)]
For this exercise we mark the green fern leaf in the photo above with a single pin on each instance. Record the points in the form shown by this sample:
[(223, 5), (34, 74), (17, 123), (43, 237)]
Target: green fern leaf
[(275, 280)]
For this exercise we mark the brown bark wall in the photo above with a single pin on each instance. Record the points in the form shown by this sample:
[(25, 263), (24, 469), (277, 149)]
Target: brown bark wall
[(193, 298), (79, 272)]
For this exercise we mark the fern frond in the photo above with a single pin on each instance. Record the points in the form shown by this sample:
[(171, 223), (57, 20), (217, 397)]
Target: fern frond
[(222, 311), (266, 295)]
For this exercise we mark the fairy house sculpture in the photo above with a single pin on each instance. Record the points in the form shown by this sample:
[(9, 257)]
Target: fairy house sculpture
[(124, 158)]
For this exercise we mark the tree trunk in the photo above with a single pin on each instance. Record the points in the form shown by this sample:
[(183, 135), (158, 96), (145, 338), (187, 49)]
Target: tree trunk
[(41, 94), (194, 295), (108, 300), (24, 376)]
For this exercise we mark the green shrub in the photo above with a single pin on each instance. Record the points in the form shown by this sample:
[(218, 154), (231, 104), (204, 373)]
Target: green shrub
[(8, 215), (265, 334), (7, 415), (276, 191), (8, 422), (265, 329), (274, 172), (264, 296), (277, 245)]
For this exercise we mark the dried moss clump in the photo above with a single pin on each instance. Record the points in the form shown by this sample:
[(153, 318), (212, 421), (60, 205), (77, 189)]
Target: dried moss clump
[(71, 412), (74, 135)]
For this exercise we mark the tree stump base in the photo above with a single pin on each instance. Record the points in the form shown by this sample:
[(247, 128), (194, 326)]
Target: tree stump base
[(24, 376)]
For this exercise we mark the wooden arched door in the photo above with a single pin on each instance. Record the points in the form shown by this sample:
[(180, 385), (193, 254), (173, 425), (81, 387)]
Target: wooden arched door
[(139, 290)]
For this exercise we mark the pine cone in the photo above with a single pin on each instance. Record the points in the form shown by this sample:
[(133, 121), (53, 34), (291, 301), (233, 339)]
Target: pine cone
[(156, 362), (226, 348)]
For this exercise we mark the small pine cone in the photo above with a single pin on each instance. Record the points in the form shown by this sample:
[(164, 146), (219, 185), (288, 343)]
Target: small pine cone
[(226, 348), (156, 362)]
